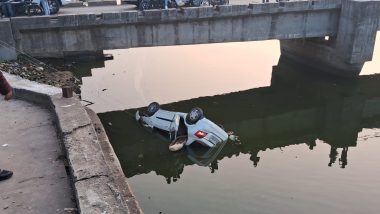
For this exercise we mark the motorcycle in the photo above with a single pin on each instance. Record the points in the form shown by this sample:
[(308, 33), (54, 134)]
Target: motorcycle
[(31, 7), (26, 7), (157, 4)]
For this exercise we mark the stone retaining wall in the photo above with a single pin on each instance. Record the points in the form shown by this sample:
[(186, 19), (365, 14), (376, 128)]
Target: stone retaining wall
[(99, 183)]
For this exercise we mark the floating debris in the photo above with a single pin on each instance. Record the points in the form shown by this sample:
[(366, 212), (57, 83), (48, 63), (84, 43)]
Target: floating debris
[(177, 144), (232, 136)]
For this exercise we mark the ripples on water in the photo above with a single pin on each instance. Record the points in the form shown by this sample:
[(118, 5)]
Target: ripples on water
[(309, 143)]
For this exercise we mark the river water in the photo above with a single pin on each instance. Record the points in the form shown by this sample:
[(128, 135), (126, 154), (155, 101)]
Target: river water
[(309, 143)]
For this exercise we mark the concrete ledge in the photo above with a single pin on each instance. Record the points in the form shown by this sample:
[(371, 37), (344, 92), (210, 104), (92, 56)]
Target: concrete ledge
[(264, 8), (233, 9), (30, 86), (326, 4), (76, 20), (99, 182), (197, 12), (115, 167), (125, 17)]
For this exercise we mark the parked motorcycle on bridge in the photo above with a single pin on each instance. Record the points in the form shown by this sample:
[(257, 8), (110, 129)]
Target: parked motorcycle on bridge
[(26, 7), (31, 7), (159, 4)]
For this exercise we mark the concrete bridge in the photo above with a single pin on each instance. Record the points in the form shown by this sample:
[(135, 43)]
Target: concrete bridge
[(301, 26)]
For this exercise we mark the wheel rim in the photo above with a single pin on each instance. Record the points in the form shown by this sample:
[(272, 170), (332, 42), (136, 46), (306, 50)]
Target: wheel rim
[(194, 114), (53, 6), (151, 108), (146, 5)]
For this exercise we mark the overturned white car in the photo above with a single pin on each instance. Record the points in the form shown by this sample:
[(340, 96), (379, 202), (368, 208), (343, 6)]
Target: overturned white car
[(189, 128)]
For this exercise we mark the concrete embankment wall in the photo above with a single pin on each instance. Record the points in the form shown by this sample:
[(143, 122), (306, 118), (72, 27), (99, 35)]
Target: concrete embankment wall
[(7, 42), (63, 35), (98, 180)]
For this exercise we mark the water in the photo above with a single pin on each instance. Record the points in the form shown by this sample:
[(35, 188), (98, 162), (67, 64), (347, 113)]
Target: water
[(309, 143), (167, 74)]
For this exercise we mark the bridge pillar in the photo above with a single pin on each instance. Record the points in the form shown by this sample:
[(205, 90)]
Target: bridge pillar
[(345, 53), (7, 43)]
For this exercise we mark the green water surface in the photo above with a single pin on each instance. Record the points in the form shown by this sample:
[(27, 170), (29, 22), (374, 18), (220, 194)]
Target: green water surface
[(309, 143)]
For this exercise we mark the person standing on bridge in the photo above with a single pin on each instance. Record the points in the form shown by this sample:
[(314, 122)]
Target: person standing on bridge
[(7, 9), (6, 90), (45, 6)]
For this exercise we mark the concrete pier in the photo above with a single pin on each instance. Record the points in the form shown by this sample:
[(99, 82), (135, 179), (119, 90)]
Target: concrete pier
[(345, 53)]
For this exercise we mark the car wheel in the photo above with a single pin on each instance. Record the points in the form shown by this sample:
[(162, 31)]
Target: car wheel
[(204, 3), (173, 4), (146, 5), (54, 6), (194, 115), (152, 108)]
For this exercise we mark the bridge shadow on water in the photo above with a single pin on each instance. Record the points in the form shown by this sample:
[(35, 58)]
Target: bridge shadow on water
[(298, 107)]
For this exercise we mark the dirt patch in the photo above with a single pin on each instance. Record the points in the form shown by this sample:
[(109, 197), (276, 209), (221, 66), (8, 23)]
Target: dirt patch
[(40, 72)]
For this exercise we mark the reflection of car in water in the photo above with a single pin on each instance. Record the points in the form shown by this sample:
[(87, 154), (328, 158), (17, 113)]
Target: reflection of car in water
[(203, 156), (194, 126)]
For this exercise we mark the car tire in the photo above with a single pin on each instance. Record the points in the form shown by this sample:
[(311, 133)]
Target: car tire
[(146, 5), (152, 108), (172, 4), (194, 115), (54, 6)]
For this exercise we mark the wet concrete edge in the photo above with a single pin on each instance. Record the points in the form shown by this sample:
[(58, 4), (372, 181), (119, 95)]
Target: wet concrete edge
[(113, 162), (100, 185)]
